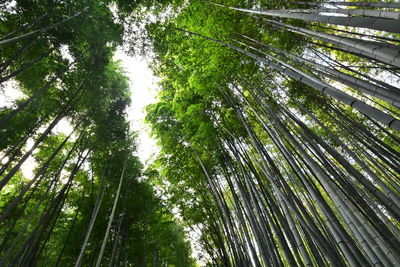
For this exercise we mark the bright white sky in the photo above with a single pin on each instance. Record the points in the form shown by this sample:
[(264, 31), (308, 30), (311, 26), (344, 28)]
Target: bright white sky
[(143, 87)]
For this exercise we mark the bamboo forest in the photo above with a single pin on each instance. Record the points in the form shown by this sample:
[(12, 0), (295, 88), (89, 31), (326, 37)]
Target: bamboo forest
[(277, 124)]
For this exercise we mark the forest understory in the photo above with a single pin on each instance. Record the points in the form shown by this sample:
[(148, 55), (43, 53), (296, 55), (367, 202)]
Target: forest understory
[(278, 125)]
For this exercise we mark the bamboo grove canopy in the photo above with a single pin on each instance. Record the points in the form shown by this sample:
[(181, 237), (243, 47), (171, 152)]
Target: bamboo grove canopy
[(84, 204), (278, 124)]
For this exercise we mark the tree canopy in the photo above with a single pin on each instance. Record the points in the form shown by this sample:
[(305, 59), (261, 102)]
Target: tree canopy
[(278, 125)]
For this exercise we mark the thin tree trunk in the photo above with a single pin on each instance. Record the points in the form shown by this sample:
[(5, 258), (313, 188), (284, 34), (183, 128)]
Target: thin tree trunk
[(45, 29), (103, 246), (17, 200), (92, 219), (26, 66), (43, 197), (356, 83), (357, 12), (11, 173), (357, 4), (70, 230), (23, 27)]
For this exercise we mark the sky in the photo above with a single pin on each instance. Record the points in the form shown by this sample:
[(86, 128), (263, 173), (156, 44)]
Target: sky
[(143, 87)]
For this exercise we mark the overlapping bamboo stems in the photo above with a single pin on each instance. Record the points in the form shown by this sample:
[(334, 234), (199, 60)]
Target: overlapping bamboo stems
[(43, 197), (391, 40), (392, 96), (63, 112), (333, 192), (107, 232), (286, 232), (97, 205), (371, 232), (38, 174), (71, 227), (364, 167), (227, 224), (29, 248), (333, 63), (375, 23), (387, 14), (46, 211), (117, 237), (387, 155), (259, 232), (317, 237), (252, 193), (14, 170), (15, 151), (356, 4), (318, 84), (375, 50)]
